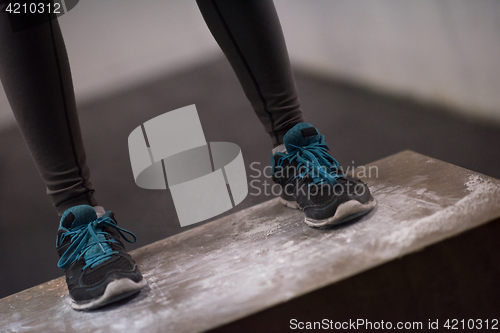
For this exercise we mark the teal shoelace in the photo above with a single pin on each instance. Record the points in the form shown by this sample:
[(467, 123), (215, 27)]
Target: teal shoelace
[(80, 245), (314, 160)]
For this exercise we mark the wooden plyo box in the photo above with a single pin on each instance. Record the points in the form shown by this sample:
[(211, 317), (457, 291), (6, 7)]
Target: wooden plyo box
[(264, 256)]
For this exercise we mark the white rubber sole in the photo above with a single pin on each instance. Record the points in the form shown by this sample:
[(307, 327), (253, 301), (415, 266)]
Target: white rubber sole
[(345, 212), (115, 291)]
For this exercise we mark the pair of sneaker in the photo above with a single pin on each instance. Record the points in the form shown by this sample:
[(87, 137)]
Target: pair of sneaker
[(99, 271)]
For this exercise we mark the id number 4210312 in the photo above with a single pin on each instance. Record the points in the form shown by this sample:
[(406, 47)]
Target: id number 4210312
[(472, 324), (47, 7)]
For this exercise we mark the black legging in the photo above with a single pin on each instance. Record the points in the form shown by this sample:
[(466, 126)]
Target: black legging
[(36, 76)]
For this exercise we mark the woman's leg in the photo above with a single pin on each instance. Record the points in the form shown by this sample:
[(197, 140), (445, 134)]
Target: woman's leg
[(35, 74), (249, 33)]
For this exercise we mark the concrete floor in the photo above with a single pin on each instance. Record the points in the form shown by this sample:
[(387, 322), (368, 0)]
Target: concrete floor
[(266, 255), (360, 126)]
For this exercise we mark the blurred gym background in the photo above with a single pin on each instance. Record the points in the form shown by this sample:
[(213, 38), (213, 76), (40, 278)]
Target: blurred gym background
[(375, 76)]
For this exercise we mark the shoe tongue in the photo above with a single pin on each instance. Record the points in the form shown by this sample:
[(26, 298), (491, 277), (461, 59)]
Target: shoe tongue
[(300, 135), (77, 216)]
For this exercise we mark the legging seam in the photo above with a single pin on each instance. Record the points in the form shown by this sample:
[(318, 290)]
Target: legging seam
[(247, 66), (65, 107)]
